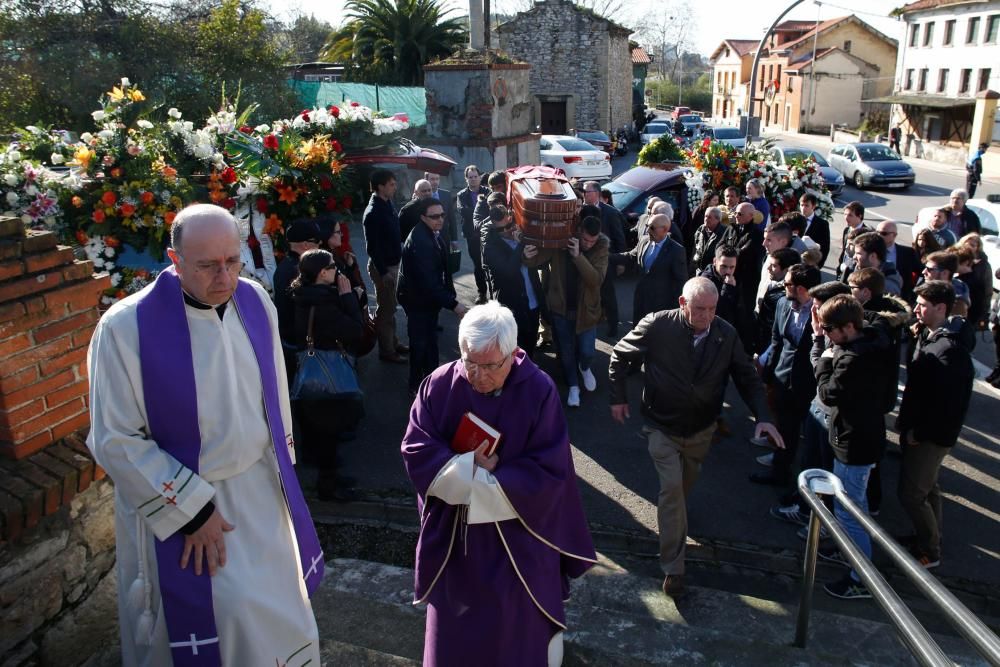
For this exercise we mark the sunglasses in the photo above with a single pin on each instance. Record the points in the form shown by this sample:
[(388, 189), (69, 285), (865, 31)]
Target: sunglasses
[(436, 216), (887, 233), (827, 327)]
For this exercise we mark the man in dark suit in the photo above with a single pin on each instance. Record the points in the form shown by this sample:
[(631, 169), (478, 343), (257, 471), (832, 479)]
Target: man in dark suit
[(854, 216), (817, 228), (612, 226), (662, 265), (424, 288), (905, 259), (748, 239), (448, 200), (465, 203), (788, 369), (409, 214)]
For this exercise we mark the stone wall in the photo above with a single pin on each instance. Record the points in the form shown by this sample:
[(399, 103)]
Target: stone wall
[(575, 54)]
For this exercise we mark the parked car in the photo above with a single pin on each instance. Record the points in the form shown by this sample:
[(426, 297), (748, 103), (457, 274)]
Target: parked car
[(870, 164), (576, 157), (679, 111), (726, 135), (988, 211), (653, 130), (692, 123), (631, 191), (598, 138), (784, 154)]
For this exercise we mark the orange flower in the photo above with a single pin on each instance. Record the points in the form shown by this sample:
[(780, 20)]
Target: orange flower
[(81, 237), (147, 198), (168, 218), (216, 196), (109, 198), (335, 166), (287, 193), (169, 173), (116, 172), (127, 209), (112, 242), (77, 202), (98, 216), (273, 225)]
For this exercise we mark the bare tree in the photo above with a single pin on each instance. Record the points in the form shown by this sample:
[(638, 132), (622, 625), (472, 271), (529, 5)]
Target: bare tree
[(669, 34)]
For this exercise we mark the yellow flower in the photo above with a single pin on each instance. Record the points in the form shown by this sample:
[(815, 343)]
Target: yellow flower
[(82, 157), (116, 94), (136, 95)]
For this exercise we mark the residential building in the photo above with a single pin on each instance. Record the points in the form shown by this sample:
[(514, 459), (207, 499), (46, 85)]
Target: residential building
[(640, 70), (947, 78), (731, 62)]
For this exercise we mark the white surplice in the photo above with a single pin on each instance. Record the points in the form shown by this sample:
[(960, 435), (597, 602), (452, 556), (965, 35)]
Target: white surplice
[(262, 610)]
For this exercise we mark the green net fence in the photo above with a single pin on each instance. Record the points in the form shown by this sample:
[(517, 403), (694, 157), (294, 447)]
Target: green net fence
[(388, 99)]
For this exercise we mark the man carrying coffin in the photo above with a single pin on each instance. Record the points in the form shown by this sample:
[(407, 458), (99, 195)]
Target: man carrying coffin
[(501, 532), (217, 553)]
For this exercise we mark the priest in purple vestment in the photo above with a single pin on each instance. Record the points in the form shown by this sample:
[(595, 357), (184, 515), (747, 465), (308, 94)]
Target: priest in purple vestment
[(500, 535)]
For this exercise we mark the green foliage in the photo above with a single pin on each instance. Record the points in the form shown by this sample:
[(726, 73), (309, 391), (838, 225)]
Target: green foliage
[(389, 41), (662, 149), (184, 52), (697, 94)]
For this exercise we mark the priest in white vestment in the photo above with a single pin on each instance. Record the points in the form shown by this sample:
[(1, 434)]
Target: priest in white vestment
[(232, 509)]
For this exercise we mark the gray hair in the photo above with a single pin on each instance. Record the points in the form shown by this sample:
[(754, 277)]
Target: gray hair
[(699, 287), (714, 212), (486, 326), (664, 208), (422, 183), (197, 212), (961, 194), (592, 185)]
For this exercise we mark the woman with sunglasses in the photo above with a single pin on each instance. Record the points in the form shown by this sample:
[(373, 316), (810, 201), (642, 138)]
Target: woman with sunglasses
[(324, 294)]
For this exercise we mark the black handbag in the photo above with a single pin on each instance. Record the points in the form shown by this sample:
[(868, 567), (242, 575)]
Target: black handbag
[(324, 374)]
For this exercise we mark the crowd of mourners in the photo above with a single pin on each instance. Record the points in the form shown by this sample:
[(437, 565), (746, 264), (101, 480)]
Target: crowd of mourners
[(818, 362)]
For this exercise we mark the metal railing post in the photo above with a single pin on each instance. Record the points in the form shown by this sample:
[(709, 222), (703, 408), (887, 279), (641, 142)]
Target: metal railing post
[(808, 581)]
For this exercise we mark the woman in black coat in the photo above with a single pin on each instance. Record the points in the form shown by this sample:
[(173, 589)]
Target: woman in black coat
[(323, 291)]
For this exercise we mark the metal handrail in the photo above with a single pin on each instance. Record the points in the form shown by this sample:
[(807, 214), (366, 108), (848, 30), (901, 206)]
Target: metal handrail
[(914, 635)]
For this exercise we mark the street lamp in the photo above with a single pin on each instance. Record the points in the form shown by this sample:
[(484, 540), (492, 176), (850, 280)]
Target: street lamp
[(756, 60)]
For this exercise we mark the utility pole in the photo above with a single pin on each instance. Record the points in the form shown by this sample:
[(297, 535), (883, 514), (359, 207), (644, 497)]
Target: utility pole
[(756, 62)]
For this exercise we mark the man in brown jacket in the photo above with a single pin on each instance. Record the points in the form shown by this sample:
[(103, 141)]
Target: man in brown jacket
[(574, 300)]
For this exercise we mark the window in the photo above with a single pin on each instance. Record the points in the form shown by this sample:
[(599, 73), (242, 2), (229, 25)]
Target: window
[(777, 76), (847, 45), (922, 81), (984, 79), (965, 82), (992, 27), (942, 80), (972, 34), (914, 31), (928, 33), (909, 80), (949, 32), (763, 80)]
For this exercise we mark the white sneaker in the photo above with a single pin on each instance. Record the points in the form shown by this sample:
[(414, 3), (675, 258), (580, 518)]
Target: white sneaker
[(589, 381), (573, 399), (766, 460)]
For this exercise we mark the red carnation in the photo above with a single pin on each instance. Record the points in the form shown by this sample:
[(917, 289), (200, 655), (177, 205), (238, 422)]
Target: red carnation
[(305, 116), (229, 203), (355, 104), (335, 145), (331, 203), (324, 182), (347, 202), (334, 111), (262, 205), (246, 129), (228, 175), (271, 141)]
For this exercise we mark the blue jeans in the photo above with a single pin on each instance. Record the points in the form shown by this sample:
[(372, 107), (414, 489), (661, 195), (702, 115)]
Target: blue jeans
[(575, 349), (855, 481)]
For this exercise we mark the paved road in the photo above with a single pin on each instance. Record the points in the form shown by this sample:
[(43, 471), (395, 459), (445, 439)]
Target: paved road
[(616, 477)]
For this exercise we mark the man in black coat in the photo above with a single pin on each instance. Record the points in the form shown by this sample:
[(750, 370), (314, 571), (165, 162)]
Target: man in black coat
[(409, 214), (939, 376), (662, 266), (854, 216), (425, 287), (748, 239), (903, 257), (381, 225), (448, 200), (612, 226), (465, 202), (788, 370), (817, 228), (514, 285), (710, 235), (721, 272)]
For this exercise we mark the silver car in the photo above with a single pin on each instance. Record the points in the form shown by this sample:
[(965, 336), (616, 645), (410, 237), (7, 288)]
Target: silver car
[(870, 164), (784, 154)]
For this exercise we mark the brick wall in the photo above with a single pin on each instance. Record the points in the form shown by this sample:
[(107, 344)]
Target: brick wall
[(48, 310)]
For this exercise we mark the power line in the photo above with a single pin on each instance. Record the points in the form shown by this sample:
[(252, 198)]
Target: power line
[(855, 11)]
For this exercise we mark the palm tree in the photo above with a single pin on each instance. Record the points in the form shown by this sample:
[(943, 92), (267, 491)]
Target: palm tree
[(389, 41)]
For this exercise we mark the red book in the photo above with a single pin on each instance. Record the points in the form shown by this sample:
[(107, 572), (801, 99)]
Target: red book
[(473, 432)]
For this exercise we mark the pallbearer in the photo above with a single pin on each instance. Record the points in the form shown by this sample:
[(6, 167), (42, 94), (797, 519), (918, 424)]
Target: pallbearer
[(501, 533), (217, 553)]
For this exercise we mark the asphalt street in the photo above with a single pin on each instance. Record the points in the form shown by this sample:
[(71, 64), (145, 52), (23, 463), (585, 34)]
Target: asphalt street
[(616, 477)]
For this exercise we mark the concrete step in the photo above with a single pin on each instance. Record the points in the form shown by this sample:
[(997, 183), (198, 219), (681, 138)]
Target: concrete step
[(365, 613)]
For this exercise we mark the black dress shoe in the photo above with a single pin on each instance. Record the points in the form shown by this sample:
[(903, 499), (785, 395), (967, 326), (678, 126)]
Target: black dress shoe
[(767, 478)]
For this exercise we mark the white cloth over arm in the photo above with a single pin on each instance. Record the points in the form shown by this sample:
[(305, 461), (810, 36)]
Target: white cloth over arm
[(456, 485)]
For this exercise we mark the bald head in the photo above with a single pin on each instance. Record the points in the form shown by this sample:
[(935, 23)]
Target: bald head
[(658, 226), (744, 213), (422, 189), (887, 230), (206, 252)]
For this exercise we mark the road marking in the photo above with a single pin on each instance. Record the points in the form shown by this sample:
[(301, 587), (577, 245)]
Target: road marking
[(917, 188)]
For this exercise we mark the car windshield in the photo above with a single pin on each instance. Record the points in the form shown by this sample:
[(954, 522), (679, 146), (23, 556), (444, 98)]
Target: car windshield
[(592, 136), (655, 128), (575, 145), (622, 195), (876, 153), (797, 154), (727, 133), (690, 118)]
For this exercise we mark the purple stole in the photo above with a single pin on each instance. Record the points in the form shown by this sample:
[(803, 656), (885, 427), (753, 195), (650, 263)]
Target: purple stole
[(172, 411)]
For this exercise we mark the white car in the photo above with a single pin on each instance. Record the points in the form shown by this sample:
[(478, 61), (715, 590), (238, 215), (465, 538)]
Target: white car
[(576, 157), (653, 131), (726, 135), (988, 211)]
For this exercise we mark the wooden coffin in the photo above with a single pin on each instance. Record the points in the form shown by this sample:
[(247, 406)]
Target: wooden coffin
[(545, 210)]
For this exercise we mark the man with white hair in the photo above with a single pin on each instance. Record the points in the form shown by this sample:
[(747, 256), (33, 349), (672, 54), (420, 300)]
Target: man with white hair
[(216, 549), (499, 533), (408, 215), (661, 264), (962, 220), (689, 356)]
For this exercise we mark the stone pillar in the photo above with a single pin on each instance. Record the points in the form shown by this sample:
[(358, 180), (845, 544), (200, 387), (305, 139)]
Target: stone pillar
[(476, 25), (982, 120)]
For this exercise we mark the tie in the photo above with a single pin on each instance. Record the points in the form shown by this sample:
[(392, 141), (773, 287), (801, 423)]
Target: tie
[(436, 196), (647, 263)]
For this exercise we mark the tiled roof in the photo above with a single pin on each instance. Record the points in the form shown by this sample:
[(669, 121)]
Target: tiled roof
[(794, 26), (808, 58), (743, 46), (639, 56), (928, 4), (817, 28)]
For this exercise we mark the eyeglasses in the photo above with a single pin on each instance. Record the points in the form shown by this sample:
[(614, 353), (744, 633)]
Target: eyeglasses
[(932, 269), (471, 366), (827, 327), (231, 266), (436, 216), (887, 233)]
